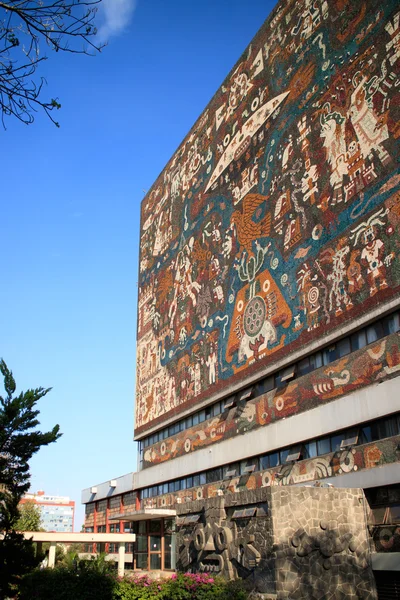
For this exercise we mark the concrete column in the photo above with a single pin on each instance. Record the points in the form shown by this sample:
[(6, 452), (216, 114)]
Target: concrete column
[(52, 554), (121, 559)]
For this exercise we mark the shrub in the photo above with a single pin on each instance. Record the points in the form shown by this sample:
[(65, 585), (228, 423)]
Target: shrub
[(63, 584), (92, 581)]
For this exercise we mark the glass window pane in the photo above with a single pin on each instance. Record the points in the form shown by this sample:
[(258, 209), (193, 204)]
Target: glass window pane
[(394, 513), (359, 339), (391, 324), (142, 527), (216, 409), (196, 480), (387, 427), (264, 462), (141, 543), (311, 449), (374, 332), (317, 359), (155, 543), (189, 482), (274, 459), (343, 347), (196, 419), (182, 425), (203, 479), (336, 440), (324, 446), (304, 367), (208, 412), (167, 560), (155, 562), (171, 486), (189, 421), (141, 561), (202, 416), (283, 455), (214, 475), (155, 526), (374, 427), (265, 385), (365, 434)]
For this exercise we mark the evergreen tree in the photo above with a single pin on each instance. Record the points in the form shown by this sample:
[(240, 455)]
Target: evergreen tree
[(30, 517), (19, 441)]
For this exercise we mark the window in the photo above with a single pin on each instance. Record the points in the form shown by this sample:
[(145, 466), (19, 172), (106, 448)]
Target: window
[(274, 459), (114, 528), (196, 419), (202, 416), (283, 455), (304, 367), (391, 324), (374, 332), (229, 402), (343, 347), (358, 340), (324, 445), (349, 438), (216, 409), (265, 385), (310, 449), (214, 475), (231, 471), (336, 441), (248, 466), (246, 394), (295, 453)]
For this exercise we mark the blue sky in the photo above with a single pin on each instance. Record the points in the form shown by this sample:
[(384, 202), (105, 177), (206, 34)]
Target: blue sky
[(70, 219)]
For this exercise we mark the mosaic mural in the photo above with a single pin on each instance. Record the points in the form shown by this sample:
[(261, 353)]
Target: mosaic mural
[(333, 464), (375, 363), (277, 219)]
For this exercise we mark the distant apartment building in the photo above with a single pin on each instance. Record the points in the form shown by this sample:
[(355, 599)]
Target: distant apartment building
[(57, 511)]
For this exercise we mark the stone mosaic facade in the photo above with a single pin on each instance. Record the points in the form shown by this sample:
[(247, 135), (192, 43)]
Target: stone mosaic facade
[(291, 543), (364, 456), (375, 363), (277, 219)]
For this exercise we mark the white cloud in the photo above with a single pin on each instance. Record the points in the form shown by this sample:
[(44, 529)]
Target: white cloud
[(115, 16)]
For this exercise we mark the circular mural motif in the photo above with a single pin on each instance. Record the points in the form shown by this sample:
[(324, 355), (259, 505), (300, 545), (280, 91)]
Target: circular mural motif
[(254, 316), (347, 461), (187, 445)]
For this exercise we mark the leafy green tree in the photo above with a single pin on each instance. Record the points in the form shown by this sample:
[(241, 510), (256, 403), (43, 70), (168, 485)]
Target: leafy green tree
[(25, 27), (30, 517), (19, 441)]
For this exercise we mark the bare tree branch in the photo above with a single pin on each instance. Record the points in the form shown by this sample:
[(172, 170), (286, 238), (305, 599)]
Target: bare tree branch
[(25, 25)]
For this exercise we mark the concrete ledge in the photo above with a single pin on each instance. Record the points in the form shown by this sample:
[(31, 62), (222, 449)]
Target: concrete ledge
[(386, 562)]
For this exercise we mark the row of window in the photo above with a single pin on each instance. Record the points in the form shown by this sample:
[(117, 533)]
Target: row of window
[(336, 442), (359, 339), (127, 527)]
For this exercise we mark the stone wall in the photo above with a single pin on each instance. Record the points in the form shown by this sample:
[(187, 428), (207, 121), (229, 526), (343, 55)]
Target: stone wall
[(292, 543), (321, 544)]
